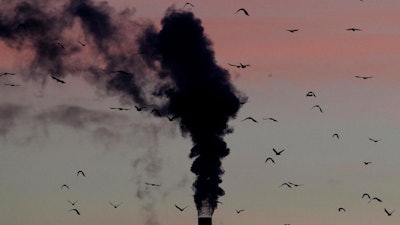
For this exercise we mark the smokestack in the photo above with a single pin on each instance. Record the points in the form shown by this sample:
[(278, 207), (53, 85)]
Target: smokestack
[(205, 213), (205, 221)]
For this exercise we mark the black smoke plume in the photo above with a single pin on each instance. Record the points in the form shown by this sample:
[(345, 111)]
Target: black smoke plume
[(172, 70), (202, 97)]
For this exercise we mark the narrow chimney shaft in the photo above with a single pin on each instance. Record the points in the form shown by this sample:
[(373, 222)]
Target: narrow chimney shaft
[(205, 221)]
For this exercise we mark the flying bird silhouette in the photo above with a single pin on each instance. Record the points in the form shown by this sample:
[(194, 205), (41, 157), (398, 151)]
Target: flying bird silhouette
[(366, 163), (296, 185), (270, 118), (57, 79), (72, 203), (188, 3), (114, 205), (59, 44), (12, 85), (364, 77), (64, 186), (335, 135), (76, 210), (139, 108), (83, 44), (342, 209), (270, 159), (180, 209), (293, 30), (243, 10), (171, 118), (123, 72), (319, 107), (6, 74), (250, 118), (156, 112), (375, 198), (311, 94), (80, 172), (278, 152), (240, 65), (286, 184), (119, 108), (154, 185), (353, 29), (389, 213), (239, 211), (375, 140), (366, 195)]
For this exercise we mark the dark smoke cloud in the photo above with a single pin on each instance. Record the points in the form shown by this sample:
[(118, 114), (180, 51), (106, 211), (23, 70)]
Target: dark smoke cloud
[(173, 70), (202, 97)]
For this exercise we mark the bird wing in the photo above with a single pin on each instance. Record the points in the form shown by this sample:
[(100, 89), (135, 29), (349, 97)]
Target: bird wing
[(365, 194), (178, 207), (270, 159), (232, 64), (111, 204)]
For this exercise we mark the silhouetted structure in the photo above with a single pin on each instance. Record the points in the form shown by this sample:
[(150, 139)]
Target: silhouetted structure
[(205, 221)]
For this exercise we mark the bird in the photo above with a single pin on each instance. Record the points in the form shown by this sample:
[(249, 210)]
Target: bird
[(76, 210), (72, 203), (342, 209), (83, 44), (64, 185), (278, 152), (188, 3), (239, 211), (270, 118), (296, 185), (154, 185), (171, 118), (375, 198), (12, 85), (389, 213), (180, 209), (366, 195), (286, 184), (80, 172), (240, 65), (366, 163), (293, 30), (243, 10), (7, 73), (319, 107), (311, 94), (353, 29), (250, 118), (364, 77), (156, 112), (119, 108), (57, 79), (271, 159), (115, 206), (139, 108), (59, 44), (375, 140), (123, 72), (335, 135)]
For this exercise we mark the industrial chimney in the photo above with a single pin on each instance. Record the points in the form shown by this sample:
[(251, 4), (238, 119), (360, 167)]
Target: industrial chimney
[(205, 214)]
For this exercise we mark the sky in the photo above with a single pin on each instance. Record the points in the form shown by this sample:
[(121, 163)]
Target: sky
[(43, 145)]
